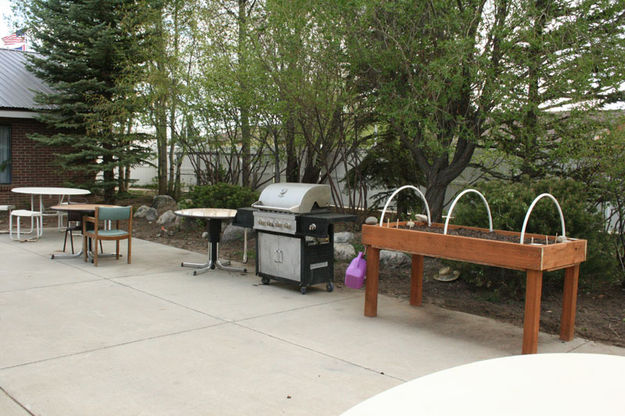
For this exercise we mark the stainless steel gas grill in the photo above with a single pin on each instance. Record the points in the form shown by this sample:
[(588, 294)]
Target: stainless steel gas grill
[(295, 233)]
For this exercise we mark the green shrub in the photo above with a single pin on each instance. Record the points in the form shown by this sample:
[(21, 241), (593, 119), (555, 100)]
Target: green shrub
[(509, 203), (221, 195)]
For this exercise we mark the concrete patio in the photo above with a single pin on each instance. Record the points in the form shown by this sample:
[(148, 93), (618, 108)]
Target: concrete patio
[(151, 339)]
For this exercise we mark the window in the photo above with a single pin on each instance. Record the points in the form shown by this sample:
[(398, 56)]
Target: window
[(5, 154)]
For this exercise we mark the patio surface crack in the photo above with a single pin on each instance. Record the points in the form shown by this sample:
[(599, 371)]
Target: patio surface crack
[(17, 402), (107, 347), (321, 353)]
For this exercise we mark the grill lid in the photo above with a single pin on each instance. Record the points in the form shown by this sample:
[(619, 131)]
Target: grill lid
[(297, 198)]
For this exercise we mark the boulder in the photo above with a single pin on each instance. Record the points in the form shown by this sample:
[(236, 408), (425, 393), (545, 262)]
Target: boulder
[(344, 251), (343, 237), (163, 203), (394, 259), (232, 233), (150, 214), (168, 218), (371, 221)]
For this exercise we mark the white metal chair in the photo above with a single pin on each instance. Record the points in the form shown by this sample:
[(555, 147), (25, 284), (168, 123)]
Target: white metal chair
[(36, 223)]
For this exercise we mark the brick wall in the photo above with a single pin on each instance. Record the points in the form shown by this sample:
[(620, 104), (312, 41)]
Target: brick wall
[(32, 162)]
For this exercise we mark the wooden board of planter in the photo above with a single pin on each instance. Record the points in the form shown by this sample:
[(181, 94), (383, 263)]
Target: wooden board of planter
[(534, 259)]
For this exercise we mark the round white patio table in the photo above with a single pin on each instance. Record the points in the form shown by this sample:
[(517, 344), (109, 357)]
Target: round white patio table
[(52, 191), (532, 384)]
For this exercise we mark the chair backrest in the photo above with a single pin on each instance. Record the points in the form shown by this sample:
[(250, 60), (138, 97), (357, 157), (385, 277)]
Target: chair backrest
[(113, 214)]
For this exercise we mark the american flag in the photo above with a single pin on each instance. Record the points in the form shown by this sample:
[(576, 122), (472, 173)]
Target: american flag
[(16, 38)]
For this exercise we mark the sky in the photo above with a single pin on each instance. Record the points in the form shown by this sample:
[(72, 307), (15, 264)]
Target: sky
[(5, 12)]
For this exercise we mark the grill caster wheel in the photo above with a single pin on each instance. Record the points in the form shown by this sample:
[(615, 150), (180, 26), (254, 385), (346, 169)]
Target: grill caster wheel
[(265, 280), (330, 287), (302, 290)]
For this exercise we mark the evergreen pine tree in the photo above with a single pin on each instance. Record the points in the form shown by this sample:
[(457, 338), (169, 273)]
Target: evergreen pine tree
[(93, 54)]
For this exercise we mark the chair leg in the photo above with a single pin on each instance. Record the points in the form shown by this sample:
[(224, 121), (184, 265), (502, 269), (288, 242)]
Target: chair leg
[(95, 253), (32, 224), (85, 249), (71, 240), (11, 228), (117, 250), (65, 242), (129, 248)]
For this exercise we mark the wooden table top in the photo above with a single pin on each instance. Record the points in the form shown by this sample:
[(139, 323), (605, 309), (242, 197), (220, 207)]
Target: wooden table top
[(81, 207)]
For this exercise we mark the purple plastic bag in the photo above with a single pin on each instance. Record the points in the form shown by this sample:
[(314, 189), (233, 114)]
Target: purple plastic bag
[(355, 273)]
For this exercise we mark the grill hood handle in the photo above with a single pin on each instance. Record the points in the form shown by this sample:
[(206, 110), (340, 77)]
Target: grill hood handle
[(259, 204)]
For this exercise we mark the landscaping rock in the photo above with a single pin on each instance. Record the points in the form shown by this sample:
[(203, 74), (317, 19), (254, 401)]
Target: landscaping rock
[(167, 218), (371, 221), (344, 251), (343, 237), (394, 259), (232, 233), (163, 203), (150, 214)]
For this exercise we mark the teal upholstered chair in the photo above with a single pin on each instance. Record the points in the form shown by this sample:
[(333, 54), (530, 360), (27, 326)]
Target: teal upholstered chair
[(116, 215)]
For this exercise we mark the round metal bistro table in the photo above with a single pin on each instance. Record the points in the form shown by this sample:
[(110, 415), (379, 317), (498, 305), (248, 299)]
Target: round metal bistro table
[(214, 217)]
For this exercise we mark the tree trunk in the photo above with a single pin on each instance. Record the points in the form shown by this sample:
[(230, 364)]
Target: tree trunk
[(108, 175), (160, 111), (244, 109), (435, 195), (172, 148), (245, 147), (292, 167), (127, 178), (276, 156), (161, 145)]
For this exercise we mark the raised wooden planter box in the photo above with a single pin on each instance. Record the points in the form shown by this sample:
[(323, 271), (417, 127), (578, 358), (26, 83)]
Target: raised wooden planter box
[(534, 259)]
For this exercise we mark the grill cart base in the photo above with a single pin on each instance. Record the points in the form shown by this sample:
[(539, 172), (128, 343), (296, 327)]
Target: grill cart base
[(305, 260), (294, 233)]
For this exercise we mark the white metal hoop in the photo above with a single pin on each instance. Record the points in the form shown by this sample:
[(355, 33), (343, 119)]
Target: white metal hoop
[(453, 204), (388, 201), (529, 211)]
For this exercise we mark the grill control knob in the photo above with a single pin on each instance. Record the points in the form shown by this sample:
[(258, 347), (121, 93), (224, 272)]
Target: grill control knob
[(261, 222), (270, 223), (312, 227), (287, 226), (278, 224)]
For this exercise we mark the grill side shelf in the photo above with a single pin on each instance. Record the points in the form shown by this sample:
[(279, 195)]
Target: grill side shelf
[(244, 217)]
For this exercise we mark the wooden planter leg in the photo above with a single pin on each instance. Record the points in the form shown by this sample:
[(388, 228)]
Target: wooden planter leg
[(531, 322), (569, 303), (371, 290), (416, 280)]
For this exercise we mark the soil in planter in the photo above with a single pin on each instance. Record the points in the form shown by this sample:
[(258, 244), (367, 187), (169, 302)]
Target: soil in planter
[(473, 233)]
